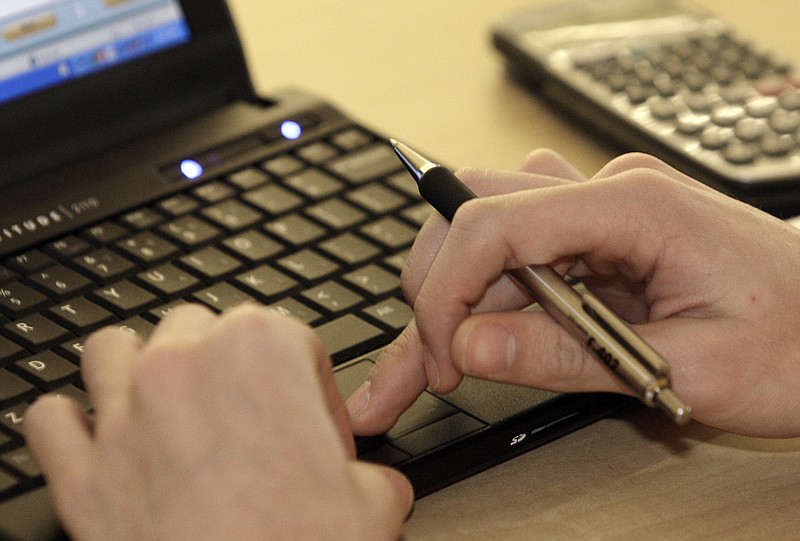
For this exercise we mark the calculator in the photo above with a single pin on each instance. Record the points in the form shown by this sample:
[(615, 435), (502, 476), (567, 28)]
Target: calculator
[(674, 81)]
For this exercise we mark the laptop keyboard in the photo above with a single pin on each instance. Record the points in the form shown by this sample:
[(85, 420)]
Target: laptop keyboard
[(319, 233)]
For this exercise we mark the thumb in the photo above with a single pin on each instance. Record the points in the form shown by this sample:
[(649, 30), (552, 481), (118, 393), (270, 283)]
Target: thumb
[(530, 349), (388, 498)]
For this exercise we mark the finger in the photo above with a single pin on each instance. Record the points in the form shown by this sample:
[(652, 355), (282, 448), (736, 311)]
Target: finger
[(387, 493), (550, 163), (397, 379), (483, 182), (106, 363), (645, 163), (58, 435), (531, 349)]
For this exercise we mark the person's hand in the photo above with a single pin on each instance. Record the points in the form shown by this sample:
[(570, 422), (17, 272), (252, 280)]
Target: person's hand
[(217, 428), (708, 281)]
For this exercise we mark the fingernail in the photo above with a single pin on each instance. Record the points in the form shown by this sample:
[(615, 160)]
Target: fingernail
[(359, 400), (487, 348)]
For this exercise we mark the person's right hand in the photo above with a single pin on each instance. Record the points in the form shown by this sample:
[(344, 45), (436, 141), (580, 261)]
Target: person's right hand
[(708, 281)]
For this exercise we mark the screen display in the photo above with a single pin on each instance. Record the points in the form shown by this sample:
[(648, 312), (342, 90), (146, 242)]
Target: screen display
[(48, 42)]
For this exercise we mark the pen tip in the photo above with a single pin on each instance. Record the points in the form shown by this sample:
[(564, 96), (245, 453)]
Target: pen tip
[(416, 164)]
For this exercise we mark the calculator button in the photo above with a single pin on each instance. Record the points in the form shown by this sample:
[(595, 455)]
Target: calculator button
[(774, 144), (727, 115), (691, 124), (715, 137), (783, 121), (738, 152)]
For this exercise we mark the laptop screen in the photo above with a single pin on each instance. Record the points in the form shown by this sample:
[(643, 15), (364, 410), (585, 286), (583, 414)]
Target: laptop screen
[(44, 43)]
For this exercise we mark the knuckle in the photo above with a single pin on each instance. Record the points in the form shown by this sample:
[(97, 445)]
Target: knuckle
[(634, 160)]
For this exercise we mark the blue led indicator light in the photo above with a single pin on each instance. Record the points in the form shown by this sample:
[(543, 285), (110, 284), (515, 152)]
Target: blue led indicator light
[(191, 169), (291, 129)]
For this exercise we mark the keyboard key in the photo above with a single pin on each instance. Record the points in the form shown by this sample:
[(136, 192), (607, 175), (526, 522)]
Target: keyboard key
[(46, 369), (232, 215), (6, 274), (72, 349), (213, 192), (377, 198), (147, 248), (68, 247), (104, 266), (248, 178), (21, 460), (350, 248), (168, 281), (360, 166), (137, 326), (143, 218), (391, 313), (17, 299), (348, 336), (390, 232), (397, 261), (315, 184), (283, 165), (13, 417), (29, 261), (80, 315), (332, 297), (36, 332), (273, 199), (78, 395), (60, 282), (252, 246), (298, 310), (106, 232), (266, 283), (336, 214), (317, 152), (222, 296), (14, 388), (124, 298), (373, 280), (178, 205), (159, 312), (308, 265), (417, 214), (211, 264), (190, 231), (295, 230), (351, 139), (9, 351)]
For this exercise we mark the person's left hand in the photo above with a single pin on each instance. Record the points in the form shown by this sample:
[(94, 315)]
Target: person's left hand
[(226, 427)]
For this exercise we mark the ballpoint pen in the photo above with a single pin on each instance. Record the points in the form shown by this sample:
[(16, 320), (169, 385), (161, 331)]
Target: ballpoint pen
[(582, 314)]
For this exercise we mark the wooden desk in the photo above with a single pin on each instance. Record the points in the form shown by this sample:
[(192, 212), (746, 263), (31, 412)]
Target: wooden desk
[(424, 71)]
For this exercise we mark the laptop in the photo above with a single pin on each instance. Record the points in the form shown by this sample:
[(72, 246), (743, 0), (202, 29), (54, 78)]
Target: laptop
[(141, 170)]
